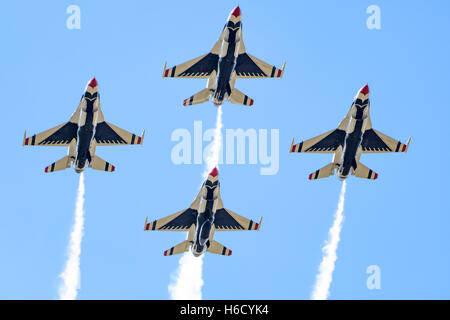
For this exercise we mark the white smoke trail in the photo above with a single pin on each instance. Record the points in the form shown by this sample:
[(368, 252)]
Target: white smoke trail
[(321, 289), (71, 274), (188, 282), (212, 160)]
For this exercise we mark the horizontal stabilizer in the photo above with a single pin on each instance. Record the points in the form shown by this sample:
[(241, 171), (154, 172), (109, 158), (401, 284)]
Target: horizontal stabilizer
[(217, 248), (61, 164), (324, 172), (362, 171), (197, 98), (98, 163), (238, 97), (179, 248)]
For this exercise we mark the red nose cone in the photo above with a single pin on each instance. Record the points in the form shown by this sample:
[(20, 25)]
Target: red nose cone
[(236, 12), (214, 172), (365, 89), (93, 83)]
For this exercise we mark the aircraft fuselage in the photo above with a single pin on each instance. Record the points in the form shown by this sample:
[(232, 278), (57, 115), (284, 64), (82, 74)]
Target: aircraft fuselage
[(86, 131), (205, 217), (353, 138), (227, 62)]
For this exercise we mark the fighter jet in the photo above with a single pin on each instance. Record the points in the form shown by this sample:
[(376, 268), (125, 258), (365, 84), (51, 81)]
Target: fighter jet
[(205, 216), (227, 61), (85, 130), (353, 137)]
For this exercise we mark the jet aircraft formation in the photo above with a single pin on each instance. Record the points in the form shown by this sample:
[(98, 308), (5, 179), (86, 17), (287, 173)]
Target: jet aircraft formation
[(227, 61)]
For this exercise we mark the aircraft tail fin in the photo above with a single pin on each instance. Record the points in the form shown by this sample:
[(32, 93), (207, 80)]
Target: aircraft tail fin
[(217, 248), (179, 248), (61, 164), (324, 172), (98, 163), (238, 97), (197, 98), (361, 171)]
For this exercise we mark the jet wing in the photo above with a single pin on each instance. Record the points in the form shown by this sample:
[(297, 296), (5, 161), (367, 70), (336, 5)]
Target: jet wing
[(325, 143), (107, 134), (376, 142), (60, 136), (200, 67), (227, 220), (248, 66), (180, 221)]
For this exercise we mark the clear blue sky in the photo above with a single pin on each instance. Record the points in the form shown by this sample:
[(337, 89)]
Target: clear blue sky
[(399, 222)]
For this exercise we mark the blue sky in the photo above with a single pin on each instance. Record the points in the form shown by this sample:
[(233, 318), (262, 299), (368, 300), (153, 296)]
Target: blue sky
[(398, 222)]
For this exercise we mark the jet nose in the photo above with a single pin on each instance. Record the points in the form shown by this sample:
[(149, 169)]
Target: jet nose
[(363, 93), (214, 173), (235, 13), (364, 90), (92, 86), (92, 83)]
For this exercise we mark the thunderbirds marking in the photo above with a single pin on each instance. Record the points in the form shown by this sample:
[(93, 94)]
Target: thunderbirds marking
[(227, 61), (85, 130), (205, 216), (353, 137)]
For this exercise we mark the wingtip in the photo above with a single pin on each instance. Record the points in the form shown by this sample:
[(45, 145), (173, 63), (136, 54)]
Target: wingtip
[(24, 138), (259, 224), (164, 71), (292, 144), (145, 224), (407, 144), (282, 69), (142, 136)]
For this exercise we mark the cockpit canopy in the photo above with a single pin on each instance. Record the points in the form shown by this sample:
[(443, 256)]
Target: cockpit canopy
[(210, 192)]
